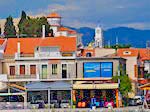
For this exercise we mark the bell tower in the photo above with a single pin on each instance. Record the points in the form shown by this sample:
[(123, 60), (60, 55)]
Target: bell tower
[(98, 37)]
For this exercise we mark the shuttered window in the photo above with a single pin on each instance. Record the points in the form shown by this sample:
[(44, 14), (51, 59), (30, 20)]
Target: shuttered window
[(33, 69), (22, 69), (12, 70)]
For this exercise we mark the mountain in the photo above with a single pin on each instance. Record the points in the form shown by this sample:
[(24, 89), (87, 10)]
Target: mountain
[(125, 35)]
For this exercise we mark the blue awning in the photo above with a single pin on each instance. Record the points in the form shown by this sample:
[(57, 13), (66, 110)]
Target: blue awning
[(58, 85)]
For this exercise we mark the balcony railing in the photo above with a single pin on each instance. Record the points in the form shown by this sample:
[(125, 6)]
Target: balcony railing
[(22, 76)]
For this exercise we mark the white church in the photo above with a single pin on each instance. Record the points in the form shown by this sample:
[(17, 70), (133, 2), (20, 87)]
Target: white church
[(54, 19)]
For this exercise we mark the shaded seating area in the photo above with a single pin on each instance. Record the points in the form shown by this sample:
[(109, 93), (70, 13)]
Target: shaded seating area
[(51, 94)]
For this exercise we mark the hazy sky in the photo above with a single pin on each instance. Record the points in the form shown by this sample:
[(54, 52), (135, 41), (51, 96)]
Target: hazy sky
[(78, 13)]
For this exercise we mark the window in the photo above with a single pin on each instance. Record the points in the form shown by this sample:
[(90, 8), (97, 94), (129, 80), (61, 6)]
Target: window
[(126, 52), (12, 70), (88, 54), (64, 70), (54, 69), (44, 72), (32, 69), (22, 69)]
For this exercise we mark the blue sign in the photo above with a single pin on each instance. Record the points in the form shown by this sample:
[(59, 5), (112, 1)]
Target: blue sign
[(98, 69), (106, 69), (91, 69)]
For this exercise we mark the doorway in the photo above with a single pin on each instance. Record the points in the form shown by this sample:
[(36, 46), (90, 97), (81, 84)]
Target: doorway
[(44, 72), (64, 70)]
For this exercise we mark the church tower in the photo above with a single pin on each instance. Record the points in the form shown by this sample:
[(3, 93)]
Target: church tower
[(54, 20), (98, 37)]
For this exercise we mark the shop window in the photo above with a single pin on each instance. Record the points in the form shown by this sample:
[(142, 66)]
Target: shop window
[(22, 69), (33, 69), (54, 69), (12, 70)]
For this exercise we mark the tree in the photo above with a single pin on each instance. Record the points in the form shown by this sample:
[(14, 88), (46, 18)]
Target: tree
[(33, 27), (9, 28), (125, 84), (20, 24), (43, 21), (119, 46)]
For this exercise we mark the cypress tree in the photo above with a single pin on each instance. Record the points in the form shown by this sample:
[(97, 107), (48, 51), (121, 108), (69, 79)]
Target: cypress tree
[(21, 22), (9, 28)]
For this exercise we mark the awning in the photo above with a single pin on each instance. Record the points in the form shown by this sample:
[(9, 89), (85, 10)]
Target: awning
[(37, 86), (142, 81), (96, 86), (145, 86), (58, 85)]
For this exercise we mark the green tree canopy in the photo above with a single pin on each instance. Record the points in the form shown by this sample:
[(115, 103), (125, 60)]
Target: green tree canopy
[(32, 27), (119, 46), (9, 28), (125, 84), (20, 24)]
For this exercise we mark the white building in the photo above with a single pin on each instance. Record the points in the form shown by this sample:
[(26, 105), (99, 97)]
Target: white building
[(54, 20), (98, 37)]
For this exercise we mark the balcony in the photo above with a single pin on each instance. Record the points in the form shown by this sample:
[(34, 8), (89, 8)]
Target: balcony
[(22, 76), (47, 54), (3, 77)]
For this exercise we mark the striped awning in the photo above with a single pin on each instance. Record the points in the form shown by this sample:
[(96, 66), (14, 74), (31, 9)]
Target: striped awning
[(145, 86), (96, 86)]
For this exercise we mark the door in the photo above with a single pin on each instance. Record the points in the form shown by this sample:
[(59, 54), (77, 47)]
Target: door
[(22, 69), (64, 70), (44, 72)]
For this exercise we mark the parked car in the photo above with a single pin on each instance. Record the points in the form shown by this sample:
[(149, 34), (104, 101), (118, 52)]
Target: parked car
[(139, 100), (132, 102)]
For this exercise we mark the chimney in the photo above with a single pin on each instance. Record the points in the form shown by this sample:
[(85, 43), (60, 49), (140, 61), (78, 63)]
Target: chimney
[(43, 31), (18, 47)]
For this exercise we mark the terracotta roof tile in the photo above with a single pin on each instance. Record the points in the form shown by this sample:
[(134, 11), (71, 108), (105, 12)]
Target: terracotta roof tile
[(70, 31), (53, 15), (2, 41), (143, 53), (27, 45)]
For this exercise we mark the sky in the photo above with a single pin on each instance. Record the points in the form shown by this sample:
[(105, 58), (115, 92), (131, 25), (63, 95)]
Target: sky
[(85, 13)]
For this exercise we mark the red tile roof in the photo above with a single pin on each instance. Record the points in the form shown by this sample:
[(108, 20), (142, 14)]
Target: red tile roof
[(131, 52), (142, 52), (53, 15), (2, 41), (27, 45), (70, 31)]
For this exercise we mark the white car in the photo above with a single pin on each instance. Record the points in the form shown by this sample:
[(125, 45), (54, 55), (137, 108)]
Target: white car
[(139, 100)]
